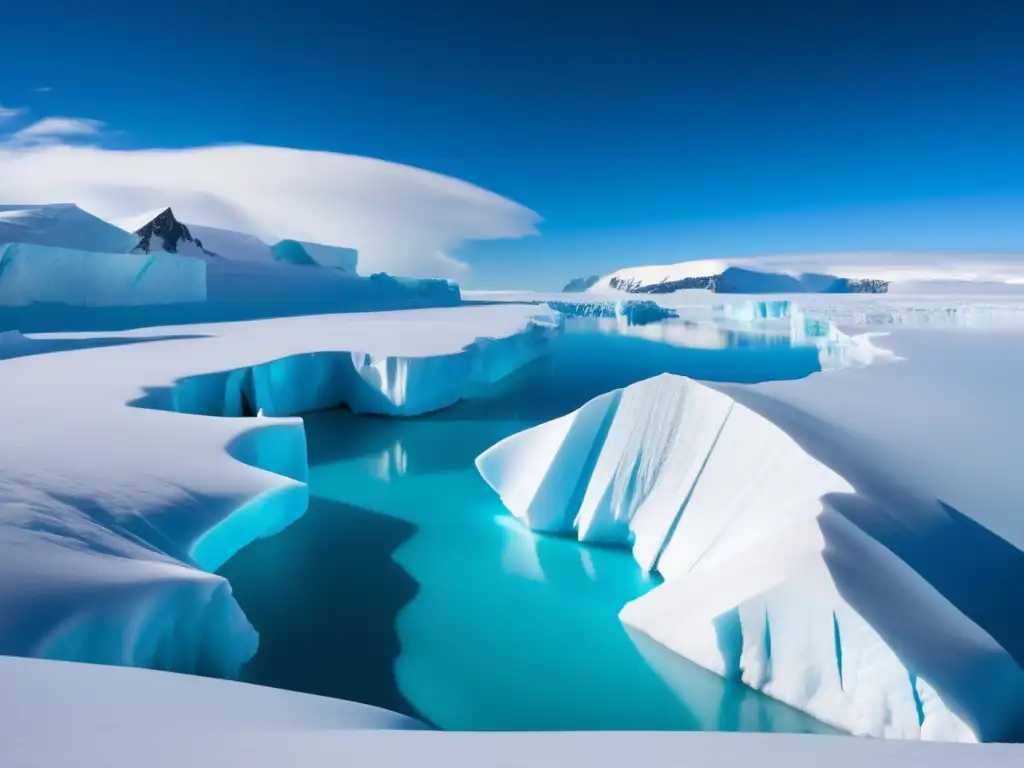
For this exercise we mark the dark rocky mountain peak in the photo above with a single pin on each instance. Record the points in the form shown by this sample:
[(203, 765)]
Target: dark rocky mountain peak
[(166, 233)]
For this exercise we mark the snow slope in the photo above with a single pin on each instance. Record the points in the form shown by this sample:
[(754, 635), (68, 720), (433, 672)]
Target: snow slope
[(827, 540), (118, 500), (817, 272), (62, 226), (59, 715)]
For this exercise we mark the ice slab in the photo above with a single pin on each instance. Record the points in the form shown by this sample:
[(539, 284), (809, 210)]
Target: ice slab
[(312, 254), (31, 274), (812, 572), (116, 506)]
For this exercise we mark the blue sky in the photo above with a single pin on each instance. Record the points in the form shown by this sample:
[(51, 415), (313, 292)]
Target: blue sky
[(641, 132)]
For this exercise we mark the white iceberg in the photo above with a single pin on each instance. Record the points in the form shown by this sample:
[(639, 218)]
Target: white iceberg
[(792, 557)]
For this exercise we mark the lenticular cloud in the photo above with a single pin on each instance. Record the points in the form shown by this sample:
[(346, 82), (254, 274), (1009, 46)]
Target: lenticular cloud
[(403, 220)]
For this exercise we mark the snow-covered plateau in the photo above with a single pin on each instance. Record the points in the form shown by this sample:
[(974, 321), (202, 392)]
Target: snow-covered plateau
[(869, 272)]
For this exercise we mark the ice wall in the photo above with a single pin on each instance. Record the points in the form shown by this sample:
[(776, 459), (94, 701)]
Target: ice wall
[(311, 254), (31, 274), (632, 312), (108, 574), (367, 383), (778, 571)]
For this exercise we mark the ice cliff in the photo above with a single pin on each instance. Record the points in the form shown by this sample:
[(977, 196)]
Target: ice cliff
[(838, 593), (31, 274), (110, 532)]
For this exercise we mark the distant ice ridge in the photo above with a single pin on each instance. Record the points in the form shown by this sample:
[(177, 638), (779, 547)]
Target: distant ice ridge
[(109, 533), (841, 598), (872, 272), (32, 274), (633, 312)]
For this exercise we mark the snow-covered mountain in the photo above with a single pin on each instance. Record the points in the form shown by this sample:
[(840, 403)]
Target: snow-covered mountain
[(62, 225), (875, 272), (160, 230), (165, 233)]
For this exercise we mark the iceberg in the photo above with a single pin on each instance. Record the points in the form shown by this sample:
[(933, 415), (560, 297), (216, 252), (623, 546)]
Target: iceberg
[(31, 274), (828, 591)]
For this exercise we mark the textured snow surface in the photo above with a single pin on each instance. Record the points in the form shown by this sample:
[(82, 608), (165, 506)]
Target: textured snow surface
[(116, 506), (848, 543), (31, 274), (62, 226), (58, 715)]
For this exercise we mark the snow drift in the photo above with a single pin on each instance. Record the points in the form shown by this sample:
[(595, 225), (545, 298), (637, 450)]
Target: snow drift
[(841, 596)]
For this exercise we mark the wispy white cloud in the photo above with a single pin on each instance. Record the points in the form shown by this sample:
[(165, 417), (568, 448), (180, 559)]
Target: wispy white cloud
[(403, 220), (8, 113), (52, 128), (44, 89)]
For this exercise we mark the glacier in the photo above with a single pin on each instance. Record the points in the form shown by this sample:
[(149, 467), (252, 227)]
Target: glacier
[(38, 274), (793, 557), (110, 533)]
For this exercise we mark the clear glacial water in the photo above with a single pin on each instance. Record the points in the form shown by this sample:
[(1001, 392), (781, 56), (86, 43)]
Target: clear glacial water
[(408, 585)]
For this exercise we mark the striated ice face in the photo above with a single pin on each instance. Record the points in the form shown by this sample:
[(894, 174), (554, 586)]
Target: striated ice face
[(798, 575)]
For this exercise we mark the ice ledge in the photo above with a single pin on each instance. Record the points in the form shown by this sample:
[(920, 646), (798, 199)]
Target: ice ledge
[(842, 594), (111, 524)]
